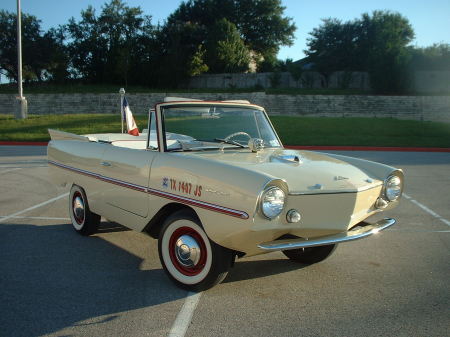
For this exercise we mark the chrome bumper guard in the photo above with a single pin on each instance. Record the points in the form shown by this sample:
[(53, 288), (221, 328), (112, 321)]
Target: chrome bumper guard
[(363, 229)]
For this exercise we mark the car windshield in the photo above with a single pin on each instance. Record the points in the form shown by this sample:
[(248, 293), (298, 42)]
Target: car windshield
[(191, 128)]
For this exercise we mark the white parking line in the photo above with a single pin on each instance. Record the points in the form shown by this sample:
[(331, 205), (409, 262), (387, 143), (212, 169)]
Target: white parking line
[(426, 209), (33, 207), (14, 169), (184, 317)]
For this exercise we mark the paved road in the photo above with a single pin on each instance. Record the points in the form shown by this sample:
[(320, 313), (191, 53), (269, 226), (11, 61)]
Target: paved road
[(56, 283)]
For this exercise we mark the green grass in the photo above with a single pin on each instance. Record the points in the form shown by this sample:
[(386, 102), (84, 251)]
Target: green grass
[(361, 131), (34, 128), (292, 130)]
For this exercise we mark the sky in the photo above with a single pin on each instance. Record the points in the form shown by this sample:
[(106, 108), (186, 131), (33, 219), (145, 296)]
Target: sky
[(430, 19)]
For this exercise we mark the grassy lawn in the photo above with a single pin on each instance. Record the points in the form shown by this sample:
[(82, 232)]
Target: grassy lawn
[(293, 130)]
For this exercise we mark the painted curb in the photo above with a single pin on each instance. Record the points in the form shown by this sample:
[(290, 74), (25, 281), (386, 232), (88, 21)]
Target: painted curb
[(300, 147)]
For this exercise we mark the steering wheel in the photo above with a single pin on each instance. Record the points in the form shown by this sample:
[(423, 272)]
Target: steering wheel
[(227, 138)]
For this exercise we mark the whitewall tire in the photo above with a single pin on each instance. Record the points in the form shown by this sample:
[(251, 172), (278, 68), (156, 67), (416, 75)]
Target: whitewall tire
[(83, 220), (187, 255)]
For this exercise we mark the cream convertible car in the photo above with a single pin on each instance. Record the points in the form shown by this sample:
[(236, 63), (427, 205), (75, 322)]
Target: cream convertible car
[(212, 181)]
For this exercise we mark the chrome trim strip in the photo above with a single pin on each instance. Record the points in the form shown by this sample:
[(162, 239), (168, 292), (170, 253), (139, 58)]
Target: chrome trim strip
[(355, 234), (166, 195), (361, 189)]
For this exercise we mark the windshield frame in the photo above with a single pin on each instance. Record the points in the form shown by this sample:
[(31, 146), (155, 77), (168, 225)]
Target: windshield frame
[(161, 122)]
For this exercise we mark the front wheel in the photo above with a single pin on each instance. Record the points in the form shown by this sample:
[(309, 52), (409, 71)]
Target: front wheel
[(187, 255), (310, 255)]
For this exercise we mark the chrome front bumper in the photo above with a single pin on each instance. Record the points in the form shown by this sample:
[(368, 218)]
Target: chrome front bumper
[(364, 229)]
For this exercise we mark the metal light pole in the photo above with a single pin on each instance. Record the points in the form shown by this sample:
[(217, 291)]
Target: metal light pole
[(22, 106)]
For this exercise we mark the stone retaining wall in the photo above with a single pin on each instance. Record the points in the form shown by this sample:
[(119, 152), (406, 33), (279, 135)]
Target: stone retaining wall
[(427, 108)]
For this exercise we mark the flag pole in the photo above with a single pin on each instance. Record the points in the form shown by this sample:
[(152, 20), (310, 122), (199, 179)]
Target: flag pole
[(122, 95)]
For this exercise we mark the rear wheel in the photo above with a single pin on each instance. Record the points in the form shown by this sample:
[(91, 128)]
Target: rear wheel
[(310, 255), (187, 255), (83, 220)]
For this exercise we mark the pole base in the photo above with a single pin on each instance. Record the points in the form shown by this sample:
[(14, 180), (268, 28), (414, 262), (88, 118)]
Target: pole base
[(21, 111)]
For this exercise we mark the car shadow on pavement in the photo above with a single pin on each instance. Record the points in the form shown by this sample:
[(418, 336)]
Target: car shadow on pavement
[(111, 227), (52, 278), (246, 270)]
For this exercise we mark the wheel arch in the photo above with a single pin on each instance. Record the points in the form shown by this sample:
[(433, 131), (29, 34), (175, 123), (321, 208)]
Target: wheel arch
[(154, 226)]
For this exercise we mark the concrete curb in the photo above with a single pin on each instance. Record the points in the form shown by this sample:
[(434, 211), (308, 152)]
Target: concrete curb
[(299, 147)]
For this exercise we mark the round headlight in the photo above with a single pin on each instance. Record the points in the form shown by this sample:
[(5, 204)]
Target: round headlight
[(393, 188), (272, 202)]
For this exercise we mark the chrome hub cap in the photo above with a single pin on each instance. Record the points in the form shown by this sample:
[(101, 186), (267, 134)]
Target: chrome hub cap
[(78, 209), (187, 251)]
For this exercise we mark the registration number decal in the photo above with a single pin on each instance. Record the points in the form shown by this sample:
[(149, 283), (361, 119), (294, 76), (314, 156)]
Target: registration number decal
[(183, 187)]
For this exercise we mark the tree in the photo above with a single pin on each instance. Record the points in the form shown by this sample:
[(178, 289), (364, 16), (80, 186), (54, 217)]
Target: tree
[(377, 43), (226, 51), (39, 50), (435, 57), (333, 46), (105, 48), (383, 43), (180, 53), (260, 23), (196, 64)]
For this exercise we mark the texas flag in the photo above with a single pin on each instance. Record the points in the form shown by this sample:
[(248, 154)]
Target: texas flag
[(129, 120)]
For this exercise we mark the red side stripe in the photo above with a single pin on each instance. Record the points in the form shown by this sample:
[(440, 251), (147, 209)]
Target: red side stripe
[(162, 194)]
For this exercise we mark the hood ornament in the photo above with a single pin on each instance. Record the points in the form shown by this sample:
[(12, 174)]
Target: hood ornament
[(340, 178), (256, 144)]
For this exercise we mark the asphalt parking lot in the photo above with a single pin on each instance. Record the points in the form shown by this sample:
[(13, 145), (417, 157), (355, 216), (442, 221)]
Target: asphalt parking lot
[(54, 282)]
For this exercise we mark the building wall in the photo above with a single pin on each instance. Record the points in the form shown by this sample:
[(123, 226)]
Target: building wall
[(423, 81), (427, 108), (309, 79)]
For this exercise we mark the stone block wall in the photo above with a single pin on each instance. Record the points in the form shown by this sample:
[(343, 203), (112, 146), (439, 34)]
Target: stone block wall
[(426, 108)]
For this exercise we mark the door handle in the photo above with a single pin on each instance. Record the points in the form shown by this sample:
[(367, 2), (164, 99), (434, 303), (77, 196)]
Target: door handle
[(105, 163)]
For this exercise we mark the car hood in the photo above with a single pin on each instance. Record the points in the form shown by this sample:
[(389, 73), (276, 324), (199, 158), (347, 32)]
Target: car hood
[(305, 172)]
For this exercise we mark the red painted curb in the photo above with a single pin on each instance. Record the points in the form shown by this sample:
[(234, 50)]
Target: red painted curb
[(368, 148), (306, 147)]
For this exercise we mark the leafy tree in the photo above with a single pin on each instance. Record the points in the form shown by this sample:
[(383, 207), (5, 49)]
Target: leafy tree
[(226, 51), (333, 46), (180, 53), (376, 43), (104, 48), (39, 51), (196, 65), (57, 69), (260, 23), (383, 44), (435, 57)]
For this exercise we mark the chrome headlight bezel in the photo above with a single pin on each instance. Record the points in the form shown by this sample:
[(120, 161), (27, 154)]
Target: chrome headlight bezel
[(393, 187), (272, 202)]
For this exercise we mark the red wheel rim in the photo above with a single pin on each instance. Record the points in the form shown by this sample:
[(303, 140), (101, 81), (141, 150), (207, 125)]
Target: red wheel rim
[(185, 270)]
